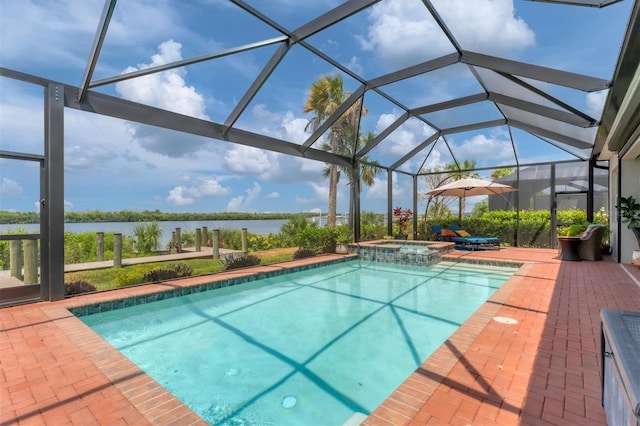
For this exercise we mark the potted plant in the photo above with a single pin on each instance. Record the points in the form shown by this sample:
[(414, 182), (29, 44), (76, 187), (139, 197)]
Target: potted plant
[(629, 210), (343, 238), (402, 217)]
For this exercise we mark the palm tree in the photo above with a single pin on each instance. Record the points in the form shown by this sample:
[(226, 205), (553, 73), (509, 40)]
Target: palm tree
[(292, 228), (326, 95), (368, 170), (500, 173), (147, 237), (435, 177)]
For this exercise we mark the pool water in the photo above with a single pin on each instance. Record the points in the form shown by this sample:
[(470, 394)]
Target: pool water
[(310, 347)]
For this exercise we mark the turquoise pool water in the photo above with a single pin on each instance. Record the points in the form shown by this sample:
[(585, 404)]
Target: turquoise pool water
[(307, 348)]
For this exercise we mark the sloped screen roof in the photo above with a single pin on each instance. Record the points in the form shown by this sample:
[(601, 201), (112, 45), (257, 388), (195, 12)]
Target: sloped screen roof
[(501, 83)]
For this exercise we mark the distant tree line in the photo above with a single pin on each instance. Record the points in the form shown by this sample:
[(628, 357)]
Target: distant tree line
[(10, 218)]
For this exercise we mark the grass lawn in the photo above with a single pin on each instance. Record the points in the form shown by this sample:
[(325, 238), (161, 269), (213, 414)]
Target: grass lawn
[(104, 279)]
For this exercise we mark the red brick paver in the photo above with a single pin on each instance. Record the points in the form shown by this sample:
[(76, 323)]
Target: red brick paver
[(543, 370)]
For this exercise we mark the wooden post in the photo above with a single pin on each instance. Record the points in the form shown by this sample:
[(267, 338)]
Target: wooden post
[(198, 239), (245, 241), (216, 249), (30, 262), (178, 240), (205, 236), (100, 246), (174, 244), (15, 258), (117, 250)]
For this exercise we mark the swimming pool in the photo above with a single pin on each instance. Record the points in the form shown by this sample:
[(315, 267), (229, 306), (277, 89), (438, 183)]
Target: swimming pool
[(310, 347)]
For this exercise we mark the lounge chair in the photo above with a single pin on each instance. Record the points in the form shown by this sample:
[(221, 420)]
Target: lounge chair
[(590, 247), (465, 241)]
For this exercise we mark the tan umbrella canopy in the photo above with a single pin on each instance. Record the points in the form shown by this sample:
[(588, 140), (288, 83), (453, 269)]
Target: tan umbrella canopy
[(469, 187)]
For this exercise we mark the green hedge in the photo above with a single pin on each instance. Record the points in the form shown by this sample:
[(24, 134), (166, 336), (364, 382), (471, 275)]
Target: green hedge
[(533, 229)]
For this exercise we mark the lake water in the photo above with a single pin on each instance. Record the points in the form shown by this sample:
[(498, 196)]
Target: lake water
[(126, 228)]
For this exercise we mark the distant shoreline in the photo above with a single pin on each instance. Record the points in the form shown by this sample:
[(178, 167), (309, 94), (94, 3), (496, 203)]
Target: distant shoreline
[(126, 216)]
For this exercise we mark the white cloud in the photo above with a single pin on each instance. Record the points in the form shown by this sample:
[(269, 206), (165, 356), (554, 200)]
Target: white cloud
[(261, 112), (9, 187), (319, 194), (243, 202), (87, 157), (167, 89), (398, 30), (27, 26), (212, 188), (482, 148), (486, 25), (377, 191), (595, 103), (246, 159), (273, 196), (183, 195)]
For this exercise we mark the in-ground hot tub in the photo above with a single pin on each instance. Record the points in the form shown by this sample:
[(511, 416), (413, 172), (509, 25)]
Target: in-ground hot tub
[(418, 253)]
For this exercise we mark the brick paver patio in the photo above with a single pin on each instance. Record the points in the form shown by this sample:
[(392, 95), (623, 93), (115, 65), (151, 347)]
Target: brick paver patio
[(545, 369)]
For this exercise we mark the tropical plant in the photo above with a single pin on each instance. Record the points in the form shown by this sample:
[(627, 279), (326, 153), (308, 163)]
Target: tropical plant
[(372, 226), (402, 217), (147, 237), (242, 262), (368, 170), (78, 287), (480, 208), (320, 240), (325, 97), (500, 173), (343, 234), (292, 228), (304, 253), (629, 210)]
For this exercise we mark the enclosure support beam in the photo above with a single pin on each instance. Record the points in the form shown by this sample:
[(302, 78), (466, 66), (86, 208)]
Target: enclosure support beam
[(52, 204)]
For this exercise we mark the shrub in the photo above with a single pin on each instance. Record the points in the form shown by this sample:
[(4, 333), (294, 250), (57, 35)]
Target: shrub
[(182, 269), (231, 239), (78, 287), (132, 275), (303, 252), (160, 274), (188, 239), (261, 242), (147, 237), (242, 262), (168, 272), (290, 231), (320, 240)]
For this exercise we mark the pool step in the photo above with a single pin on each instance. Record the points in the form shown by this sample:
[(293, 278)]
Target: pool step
[(356, 419)]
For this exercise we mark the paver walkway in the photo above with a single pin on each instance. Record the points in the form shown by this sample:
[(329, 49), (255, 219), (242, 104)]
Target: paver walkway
[(543, 370)]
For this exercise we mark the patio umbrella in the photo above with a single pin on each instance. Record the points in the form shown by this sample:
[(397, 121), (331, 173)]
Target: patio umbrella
[(469, 187)]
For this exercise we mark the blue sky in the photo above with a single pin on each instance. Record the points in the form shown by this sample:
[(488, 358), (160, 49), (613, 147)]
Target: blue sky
[(112, 164)]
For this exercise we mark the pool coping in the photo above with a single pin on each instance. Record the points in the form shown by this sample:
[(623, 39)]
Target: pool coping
[(405, 402), (152, 401)]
